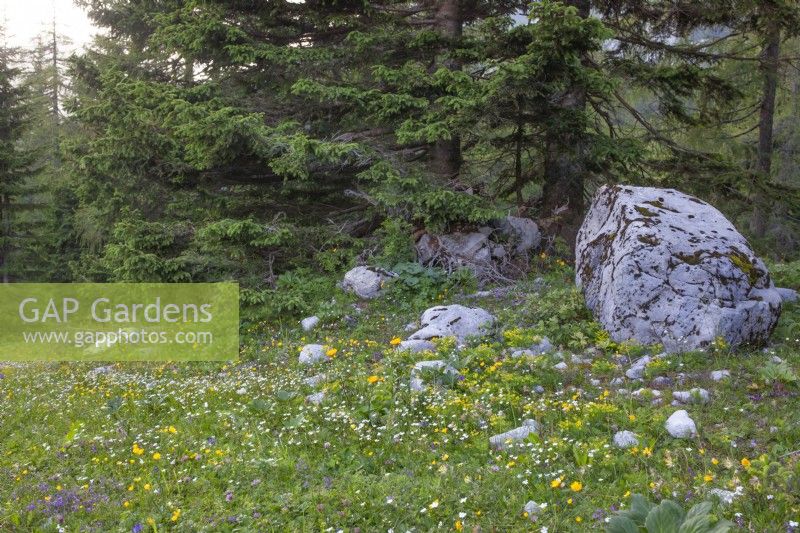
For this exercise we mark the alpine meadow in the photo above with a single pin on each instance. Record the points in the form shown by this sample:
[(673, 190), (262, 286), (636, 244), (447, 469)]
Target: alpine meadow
[(492, 265)]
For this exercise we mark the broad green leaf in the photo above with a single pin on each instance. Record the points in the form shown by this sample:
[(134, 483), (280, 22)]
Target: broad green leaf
[(666, 517), (621, 524)]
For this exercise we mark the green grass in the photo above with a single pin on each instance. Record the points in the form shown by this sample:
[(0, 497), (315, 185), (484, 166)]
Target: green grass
[(240, 449)]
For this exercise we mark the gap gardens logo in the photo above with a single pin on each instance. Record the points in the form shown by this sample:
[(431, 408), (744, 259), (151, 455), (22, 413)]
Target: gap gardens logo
[(119, 321)]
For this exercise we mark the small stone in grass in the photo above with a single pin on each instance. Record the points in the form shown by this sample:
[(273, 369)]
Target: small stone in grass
[(680, 425), (625, 439)]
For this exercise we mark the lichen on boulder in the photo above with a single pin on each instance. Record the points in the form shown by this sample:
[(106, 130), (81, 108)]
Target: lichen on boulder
[(661, 267)]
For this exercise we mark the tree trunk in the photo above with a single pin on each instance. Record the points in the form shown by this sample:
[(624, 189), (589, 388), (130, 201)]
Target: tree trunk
[(519, 182), (770, 59), (565, 168), (54, 103), (445, 157)]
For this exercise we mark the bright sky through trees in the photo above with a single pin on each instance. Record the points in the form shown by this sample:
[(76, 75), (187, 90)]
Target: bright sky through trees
[(25, 19)]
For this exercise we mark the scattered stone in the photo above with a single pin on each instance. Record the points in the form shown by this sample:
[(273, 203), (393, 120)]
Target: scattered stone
[(775, 359), (625, 439), (539, 348), (725, 496), (695, 395), (315, 380), (659, 266), (533, 509), (417, 384), (316, 398), (480, 250), (365, 282), (309, 323), (538, 389), (99, 371), (520, 232), (661, 381), (719, 375), (543, 346), (560, 366), (411, 326), (636, 371), (617, 381), (471, 250), (646, 393), (787, 295), (680, 425), (501, 441), (595, 382), (580, 360), (453, 321), (312, 353), (416, 346)]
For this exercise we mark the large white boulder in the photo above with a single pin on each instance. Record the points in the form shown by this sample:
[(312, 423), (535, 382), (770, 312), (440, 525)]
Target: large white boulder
[(659, 266), (453, 321), (365, 282)]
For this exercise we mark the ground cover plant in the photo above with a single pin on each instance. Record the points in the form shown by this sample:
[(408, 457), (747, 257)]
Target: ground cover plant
[(238, 446)]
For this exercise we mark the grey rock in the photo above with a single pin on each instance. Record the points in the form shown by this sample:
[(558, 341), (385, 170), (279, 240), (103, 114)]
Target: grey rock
[(312, 353), (99, 371), (315, 380), (365, 282), (625, 439), (775, 359), (521, 233), (636, 371), (787, 295), (316, 398), (659, 266), (539, 348), (725, 496), (503, 440), (309, 323), (680, 425), (411, 326), (543, 346), (533, 509), (617, 381), (719, 375), (538, 389), (661, 381), (560, 366), (695, 395), (453, 321), (455, 249), (646, 393), (595, 382), (417, 384), (416, 346)]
